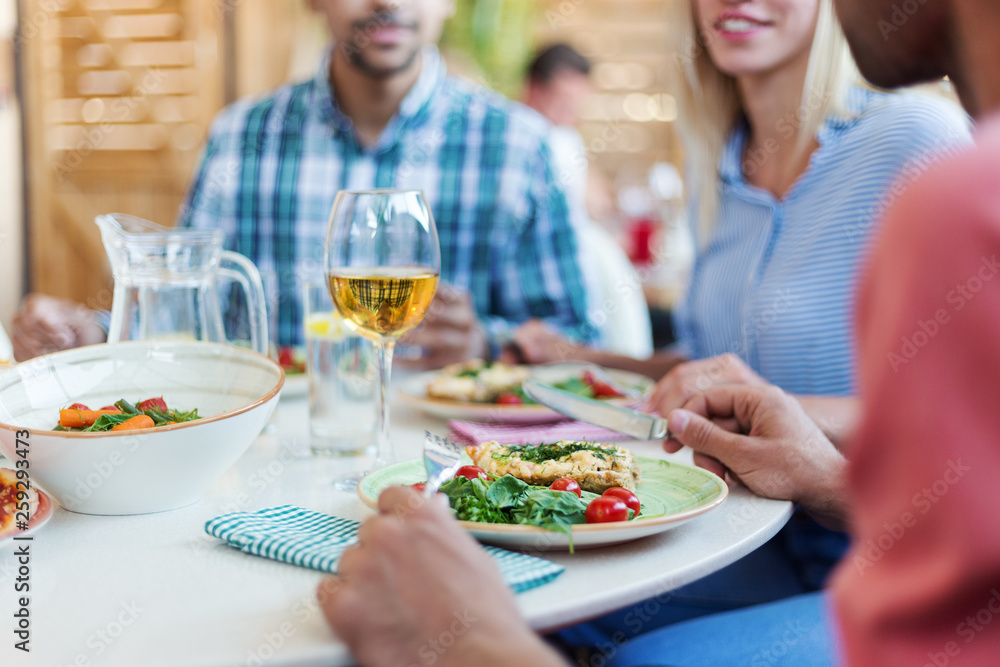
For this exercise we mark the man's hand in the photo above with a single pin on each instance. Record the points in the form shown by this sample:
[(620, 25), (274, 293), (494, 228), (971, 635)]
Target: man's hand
[(690, 378), (776, 450), (418, 589), (45, 324), (449, 332)]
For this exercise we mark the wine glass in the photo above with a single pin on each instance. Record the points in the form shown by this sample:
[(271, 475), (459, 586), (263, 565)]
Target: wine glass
[(382, 261)]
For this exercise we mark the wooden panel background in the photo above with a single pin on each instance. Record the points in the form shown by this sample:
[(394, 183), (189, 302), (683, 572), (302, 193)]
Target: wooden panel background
[(120, 96)]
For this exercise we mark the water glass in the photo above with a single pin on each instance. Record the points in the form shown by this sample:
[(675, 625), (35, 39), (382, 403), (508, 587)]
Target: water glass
[(342, 380)]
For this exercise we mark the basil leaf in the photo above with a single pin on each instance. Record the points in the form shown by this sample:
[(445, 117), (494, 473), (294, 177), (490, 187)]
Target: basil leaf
[(506, 491)]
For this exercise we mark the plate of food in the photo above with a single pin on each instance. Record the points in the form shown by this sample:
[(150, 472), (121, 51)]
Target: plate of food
[(477, 390), (20, 500), (563, 495), (292, 360)]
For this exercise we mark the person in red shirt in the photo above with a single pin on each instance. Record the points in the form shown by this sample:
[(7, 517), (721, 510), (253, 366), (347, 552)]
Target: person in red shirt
[(921, 585)]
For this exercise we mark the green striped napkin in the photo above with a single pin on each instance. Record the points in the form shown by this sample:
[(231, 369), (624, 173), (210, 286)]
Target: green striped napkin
[(302, 537)]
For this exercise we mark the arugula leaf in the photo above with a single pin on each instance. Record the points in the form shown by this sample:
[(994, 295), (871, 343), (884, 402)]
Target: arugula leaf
[(107, 422)]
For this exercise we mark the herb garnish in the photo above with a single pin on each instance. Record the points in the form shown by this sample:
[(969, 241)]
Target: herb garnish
[(551, 452)]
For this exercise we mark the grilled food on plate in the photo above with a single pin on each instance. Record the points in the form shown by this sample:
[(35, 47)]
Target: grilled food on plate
[(476, 380), (596, 467), (9, 502)]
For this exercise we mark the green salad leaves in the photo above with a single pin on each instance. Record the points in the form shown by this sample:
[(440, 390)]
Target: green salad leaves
[(509, 500)]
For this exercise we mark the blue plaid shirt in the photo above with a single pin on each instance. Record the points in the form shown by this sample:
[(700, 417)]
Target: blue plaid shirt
[(273, 166)]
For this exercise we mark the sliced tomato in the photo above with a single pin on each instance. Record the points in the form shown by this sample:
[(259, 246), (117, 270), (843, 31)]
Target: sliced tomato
[(600, 388), (471, 472), (509, 398), (157, 404), (630, 499), (567, 484), (606, 509)]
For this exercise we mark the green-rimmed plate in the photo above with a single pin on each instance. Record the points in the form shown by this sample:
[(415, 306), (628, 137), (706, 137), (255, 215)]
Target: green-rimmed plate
[(670, 493)]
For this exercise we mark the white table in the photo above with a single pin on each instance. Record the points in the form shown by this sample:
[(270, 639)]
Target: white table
[(156, 590)]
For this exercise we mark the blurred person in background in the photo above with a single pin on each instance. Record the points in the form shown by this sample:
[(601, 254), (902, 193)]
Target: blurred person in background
[(382, 112), (790, 162), (558, 85), (920, 586)]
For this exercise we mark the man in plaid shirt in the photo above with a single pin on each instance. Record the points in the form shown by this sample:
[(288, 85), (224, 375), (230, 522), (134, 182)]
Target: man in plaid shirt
[(382, 112)]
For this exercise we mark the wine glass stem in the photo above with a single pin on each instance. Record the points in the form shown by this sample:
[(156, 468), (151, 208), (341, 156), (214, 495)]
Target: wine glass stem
[(384, 453)]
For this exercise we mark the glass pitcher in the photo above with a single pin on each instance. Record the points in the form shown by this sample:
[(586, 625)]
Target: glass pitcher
[(165, 282)]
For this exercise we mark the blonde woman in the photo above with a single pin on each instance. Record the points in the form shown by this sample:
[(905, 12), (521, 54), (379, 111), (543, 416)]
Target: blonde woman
[(790, 160)]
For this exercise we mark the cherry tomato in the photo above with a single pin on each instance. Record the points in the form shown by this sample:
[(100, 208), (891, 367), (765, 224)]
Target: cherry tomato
[(419, 487), (78, 406), (157, 404), (285, 357), (630, 499), (606, 509), (567, 484), (509, 398), (600, 389), (471, 472), (111, 407)]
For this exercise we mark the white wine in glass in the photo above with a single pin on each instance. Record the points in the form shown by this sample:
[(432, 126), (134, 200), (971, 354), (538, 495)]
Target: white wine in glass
[(382, 266), (383, 303)]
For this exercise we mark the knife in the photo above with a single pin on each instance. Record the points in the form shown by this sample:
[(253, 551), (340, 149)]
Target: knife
[(599, 413)]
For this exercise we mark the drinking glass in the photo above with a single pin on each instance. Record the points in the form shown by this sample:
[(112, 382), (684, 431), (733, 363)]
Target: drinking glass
[(382, 262)]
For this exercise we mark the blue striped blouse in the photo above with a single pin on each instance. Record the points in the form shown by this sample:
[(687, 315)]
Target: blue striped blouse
[(775, 282)]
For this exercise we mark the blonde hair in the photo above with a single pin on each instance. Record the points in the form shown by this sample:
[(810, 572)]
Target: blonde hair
[(709, 106)]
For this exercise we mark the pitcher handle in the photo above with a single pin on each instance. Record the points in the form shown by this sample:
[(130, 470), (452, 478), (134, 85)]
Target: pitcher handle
[(237, 267)]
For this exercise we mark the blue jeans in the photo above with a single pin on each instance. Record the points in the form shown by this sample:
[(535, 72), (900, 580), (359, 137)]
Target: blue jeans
[(797, 632), (794, 562)]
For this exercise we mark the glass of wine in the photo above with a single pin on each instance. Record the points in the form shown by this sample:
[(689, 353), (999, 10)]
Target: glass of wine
[(382, 261)]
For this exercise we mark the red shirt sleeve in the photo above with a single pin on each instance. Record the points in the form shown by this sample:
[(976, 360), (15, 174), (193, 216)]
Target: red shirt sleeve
[(921, 584)]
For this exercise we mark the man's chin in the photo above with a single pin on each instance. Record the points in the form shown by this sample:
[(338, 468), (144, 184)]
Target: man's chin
[(382, 63)]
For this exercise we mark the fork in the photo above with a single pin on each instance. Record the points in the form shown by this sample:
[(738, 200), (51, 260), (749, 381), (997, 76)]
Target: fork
[(442, 457)]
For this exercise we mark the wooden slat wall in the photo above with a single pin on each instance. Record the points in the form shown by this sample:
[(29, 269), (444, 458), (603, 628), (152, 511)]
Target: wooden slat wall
[(11, 214), (120, 98)]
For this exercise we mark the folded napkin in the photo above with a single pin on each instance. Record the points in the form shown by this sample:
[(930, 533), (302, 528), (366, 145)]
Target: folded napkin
[(309, 539), (472, 433)]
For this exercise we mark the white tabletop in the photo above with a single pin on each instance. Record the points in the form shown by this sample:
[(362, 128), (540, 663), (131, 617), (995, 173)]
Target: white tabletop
[(156, 590)]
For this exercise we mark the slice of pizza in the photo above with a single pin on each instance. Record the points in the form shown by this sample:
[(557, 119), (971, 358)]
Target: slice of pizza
[(8, 502), (595, 467)]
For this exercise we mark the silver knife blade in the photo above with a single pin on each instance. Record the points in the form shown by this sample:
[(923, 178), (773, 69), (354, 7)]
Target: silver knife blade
[(599, 413)]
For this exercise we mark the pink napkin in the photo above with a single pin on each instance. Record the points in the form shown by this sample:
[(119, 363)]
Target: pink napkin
[(473, 433)]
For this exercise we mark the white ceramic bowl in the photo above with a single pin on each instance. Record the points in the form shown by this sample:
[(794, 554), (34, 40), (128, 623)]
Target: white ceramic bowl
[(137, 472)]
